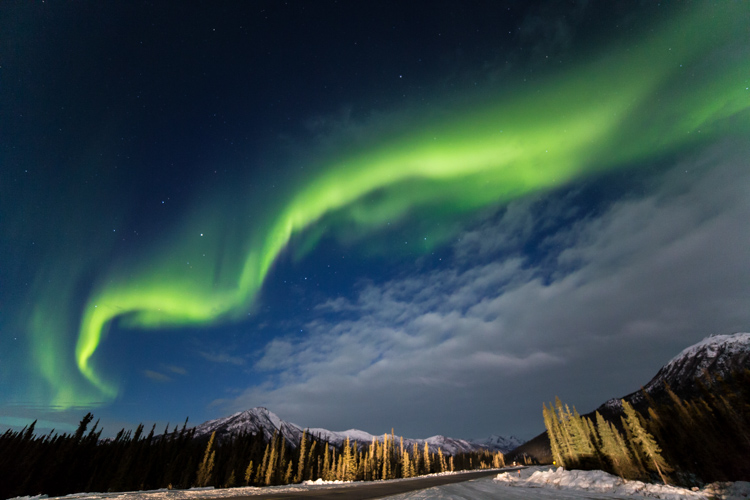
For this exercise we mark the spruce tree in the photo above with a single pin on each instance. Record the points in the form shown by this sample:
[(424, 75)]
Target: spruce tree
[(207, 465), (325, 474), (553, 433), (632, 466), (373, 463), (348, 467), (427, 464), (630, 446), (308, 470), (261, 474), (272, 458), (646, 441), (609, 446), (441, 460), (302, 458), (405, 465), (249, 473), (581, 439), (231, 482), (566, 441), (288, 474)]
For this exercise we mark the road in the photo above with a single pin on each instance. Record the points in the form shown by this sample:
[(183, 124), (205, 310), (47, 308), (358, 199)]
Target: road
[(376, 489)]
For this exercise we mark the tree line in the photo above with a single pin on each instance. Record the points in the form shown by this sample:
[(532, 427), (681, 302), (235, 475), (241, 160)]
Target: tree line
[(60, 464), (705, 438), (577, 442)]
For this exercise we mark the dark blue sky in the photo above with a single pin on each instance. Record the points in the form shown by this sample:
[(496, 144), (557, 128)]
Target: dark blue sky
[(465, 209)]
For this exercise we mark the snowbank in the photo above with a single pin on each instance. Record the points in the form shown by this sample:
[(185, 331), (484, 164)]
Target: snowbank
[(728, 491), (320, 481), (601, 482), (210, 493)]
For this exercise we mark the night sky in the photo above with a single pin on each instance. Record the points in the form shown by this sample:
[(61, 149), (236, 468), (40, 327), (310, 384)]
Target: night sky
[(432, 216)]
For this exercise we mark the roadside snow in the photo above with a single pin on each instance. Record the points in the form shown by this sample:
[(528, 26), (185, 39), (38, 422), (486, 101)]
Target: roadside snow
[(728, 491), (320, 481), (601, 482), (531, 483), (214, 493)]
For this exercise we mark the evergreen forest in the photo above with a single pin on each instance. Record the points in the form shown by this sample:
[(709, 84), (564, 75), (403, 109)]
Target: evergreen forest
[(60, 464), (688, 442)]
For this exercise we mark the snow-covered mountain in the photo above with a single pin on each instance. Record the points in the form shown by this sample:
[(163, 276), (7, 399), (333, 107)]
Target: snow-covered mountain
[(717, 355), (256, 421), (261, 420), (499, 443)]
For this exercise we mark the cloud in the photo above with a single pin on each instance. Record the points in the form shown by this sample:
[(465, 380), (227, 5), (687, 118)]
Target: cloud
[(175, 369), (157, 376), (474, 349), (221, 357)]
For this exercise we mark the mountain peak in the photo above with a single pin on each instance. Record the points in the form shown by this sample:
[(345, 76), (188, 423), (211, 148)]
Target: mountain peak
[(499, 443), (716, 355), (261, 420)]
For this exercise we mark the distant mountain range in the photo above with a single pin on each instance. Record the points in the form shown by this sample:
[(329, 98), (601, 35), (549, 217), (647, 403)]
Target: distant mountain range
[(262, 421), (715, 356)]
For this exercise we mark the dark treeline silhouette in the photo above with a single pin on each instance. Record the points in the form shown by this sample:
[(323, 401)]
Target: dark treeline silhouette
[(704, 438), (60, 464)]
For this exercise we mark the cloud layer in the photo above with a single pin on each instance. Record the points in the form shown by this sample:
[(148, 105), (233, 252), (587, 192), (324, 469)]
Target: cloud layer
[(470, 350)]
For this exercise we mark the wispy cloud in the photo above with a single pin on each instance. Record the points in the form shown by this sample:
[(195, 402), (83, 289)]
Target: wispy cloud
[(222, 357), (157, 376), (474, 349), (175, 369)]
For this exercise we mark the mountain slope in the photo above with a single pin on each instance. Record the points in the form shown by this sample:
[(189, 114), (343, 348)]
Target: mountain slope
[(262, 421), (715, 356), (498, 443), (255, 421)]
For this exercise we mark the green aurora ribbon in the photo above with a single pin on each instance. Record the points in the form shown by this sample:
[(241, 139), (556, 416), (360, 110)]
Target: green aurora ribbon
[(678, 87)]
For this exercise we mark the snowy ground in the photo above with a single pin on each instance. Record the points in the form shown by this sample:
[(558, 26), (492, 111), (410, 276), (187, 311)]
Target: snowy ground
[(531, 483), (543, 482), (210, 492)]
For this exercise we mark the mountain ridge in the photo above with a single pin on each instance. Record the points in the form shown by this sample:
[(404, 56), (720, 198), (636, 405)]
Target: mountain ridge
[(262, 420), (717, 355)]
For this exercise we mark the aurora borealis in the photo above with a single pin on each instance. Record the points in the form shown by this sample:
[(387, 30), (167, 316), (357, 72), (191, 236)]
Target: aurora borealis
[(615, 114)]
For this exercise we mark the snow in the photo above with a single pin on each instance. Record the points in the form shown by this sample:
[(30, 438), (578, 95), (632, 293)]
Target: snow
[(734, 343), (712, 354), (320, 481), (210, 492), (340, 436), (596, 481), (601, 482), (499, 443), (263, 421), (275, 420), (717, 354), (537, 483), (729, 491), (531, 483)]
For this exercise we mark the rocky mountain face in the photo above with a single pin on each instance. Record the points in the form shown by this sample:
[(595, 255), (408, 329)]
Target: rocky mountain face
[(255, 421), (715, 356), (262, 421), (712, 357), (499, 443)]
